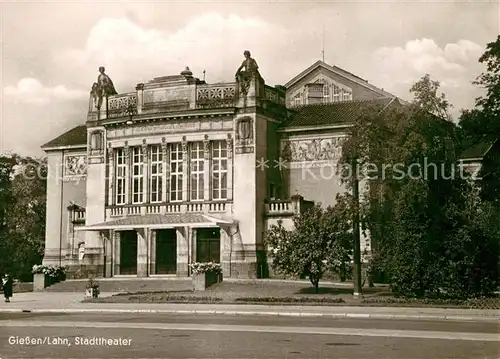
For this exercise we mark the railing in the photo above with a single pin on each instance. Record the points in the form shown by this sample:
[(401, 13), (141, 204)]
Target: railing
[(120, 105), (274, 95), (168, 208), (216, 95), (295, 205), (277, 207), (78, 216)]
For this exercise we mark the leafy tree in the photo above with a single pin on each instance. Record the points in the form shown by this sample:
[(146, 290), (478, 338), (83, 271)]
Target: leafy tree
[(321, 240), (430, 234), (490, 80), (482, 123), (23, 234), (426, 96)]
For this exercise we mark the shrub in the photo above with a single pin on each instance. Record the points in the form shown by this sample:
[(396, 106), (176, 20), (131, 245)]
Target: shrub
[(200, 268)]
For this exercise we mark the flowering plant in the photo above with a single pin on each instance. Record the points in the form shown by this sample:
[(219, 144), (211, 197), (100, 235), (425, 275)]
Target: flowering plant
[(51, 271), (200, 268)]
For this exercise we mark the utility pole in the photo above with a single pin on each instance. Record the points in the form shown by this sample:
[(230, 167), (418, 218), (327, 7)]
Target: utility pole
[(357, 238)]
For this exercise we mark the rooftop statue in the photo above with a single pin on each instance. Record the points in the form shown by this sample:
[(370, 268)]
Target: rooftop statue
[(102, 88), (251, 70)]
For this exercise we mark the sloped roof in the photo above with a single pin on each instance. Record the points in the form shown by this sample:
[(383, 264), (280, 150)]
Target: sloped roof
[(337, 113), (74, 137), (479, 150), (156, 221), (341, 72)]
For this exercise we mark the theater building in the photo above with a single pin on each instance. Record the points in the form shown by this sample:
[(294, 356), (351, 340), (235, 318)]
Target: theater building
[(180, 171)]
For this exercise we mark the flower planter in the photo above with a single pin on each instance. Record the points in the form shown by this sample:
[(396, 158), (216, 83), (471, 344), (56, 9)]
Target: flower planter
[(202, 281), (39, 282), (92, 292)]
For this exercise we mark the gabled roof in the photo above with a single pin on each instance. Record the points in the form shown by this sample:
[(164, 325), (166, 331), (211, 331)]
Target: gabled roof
[(336, 113), (77, 136), (341, 72), (479, 150)]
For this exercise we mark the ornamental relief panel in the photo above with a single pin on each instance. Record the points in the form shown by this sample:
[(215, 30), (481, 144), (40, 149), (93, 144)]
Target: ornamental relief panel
[(312, 150), (75, 165), (169, 128)]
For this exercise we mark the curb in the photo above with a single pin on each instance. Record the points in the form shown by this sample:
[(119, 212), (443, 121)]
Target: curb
[(264, 313)]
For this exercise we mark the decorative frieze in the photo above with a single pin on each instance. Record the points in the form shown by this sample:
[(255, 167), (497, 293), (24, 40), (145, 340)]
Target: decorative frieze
[(312, 150), (162, 95), (75, 165), (170, 128)]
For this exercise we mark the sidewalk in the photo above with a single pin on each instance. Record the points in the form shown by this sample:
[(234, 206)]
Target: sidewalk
[(46, 302)]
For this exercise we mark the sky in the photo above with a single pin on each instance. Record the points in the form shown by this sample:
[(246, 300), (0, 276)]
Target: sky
[(51, 51)]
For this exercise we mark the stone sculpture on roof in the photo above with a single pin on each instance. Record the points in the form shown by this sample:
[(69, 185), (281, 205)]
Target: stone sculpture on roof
[(102, 88), (251, 70)]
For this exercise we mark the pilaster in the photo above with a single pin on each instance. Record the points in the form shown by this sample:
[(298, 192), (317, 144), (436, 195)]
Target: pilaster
[(128, 185), (53, 206), (152, 251), (192, 237), (116, 253), (145, 171), (140, 97), (142, 252), (182, 251), (185, 169), (110, 179), (165, 170), (207, 169), (229, 143), (108, 251)]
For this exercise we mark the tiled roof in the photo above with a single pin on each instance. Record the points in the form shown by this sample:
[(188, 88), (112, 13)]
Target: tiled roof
[(479, 149), (75, 136), (154, 220), (336, 113)]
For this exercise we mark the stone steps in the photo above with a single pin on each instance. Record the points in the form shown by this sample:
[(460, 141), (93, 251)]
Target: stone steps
[(127, 285)]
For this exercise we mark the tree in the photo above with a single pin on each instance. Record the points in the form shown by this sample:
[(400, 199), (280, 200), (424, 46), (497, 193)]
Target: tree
[(490, 80), (426, 96), (23, 234), (482, 123), (321, 240), (426, 226)]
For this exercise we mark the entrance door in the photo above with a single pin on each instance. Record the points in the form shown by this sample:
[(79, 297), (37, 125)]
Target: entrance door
[(166, 251), (208, 245), (128, 252)]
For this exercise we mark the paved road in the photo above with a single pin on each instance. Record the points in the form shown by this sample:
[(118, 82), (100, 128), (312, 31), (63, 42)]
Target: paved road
[(216, 336)]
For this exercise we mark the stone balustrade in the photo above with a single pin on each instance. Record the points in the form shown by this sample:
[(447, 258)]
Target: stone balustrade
[(290, 207), (216, 95), (166, 208), (279, 207)]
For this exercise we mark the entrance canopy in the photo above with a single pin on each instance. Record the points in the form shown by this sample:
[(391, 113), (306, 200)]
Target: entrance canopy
[(158, 221)]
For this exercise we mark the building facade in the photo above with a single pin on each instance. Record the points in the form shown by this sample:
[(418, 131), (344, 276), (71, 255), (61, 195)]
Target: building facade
[(181, 171)]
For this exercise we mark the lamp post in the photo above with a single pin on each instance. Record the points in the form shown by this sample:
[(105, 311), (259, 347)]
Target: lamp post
[(356, 232)]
